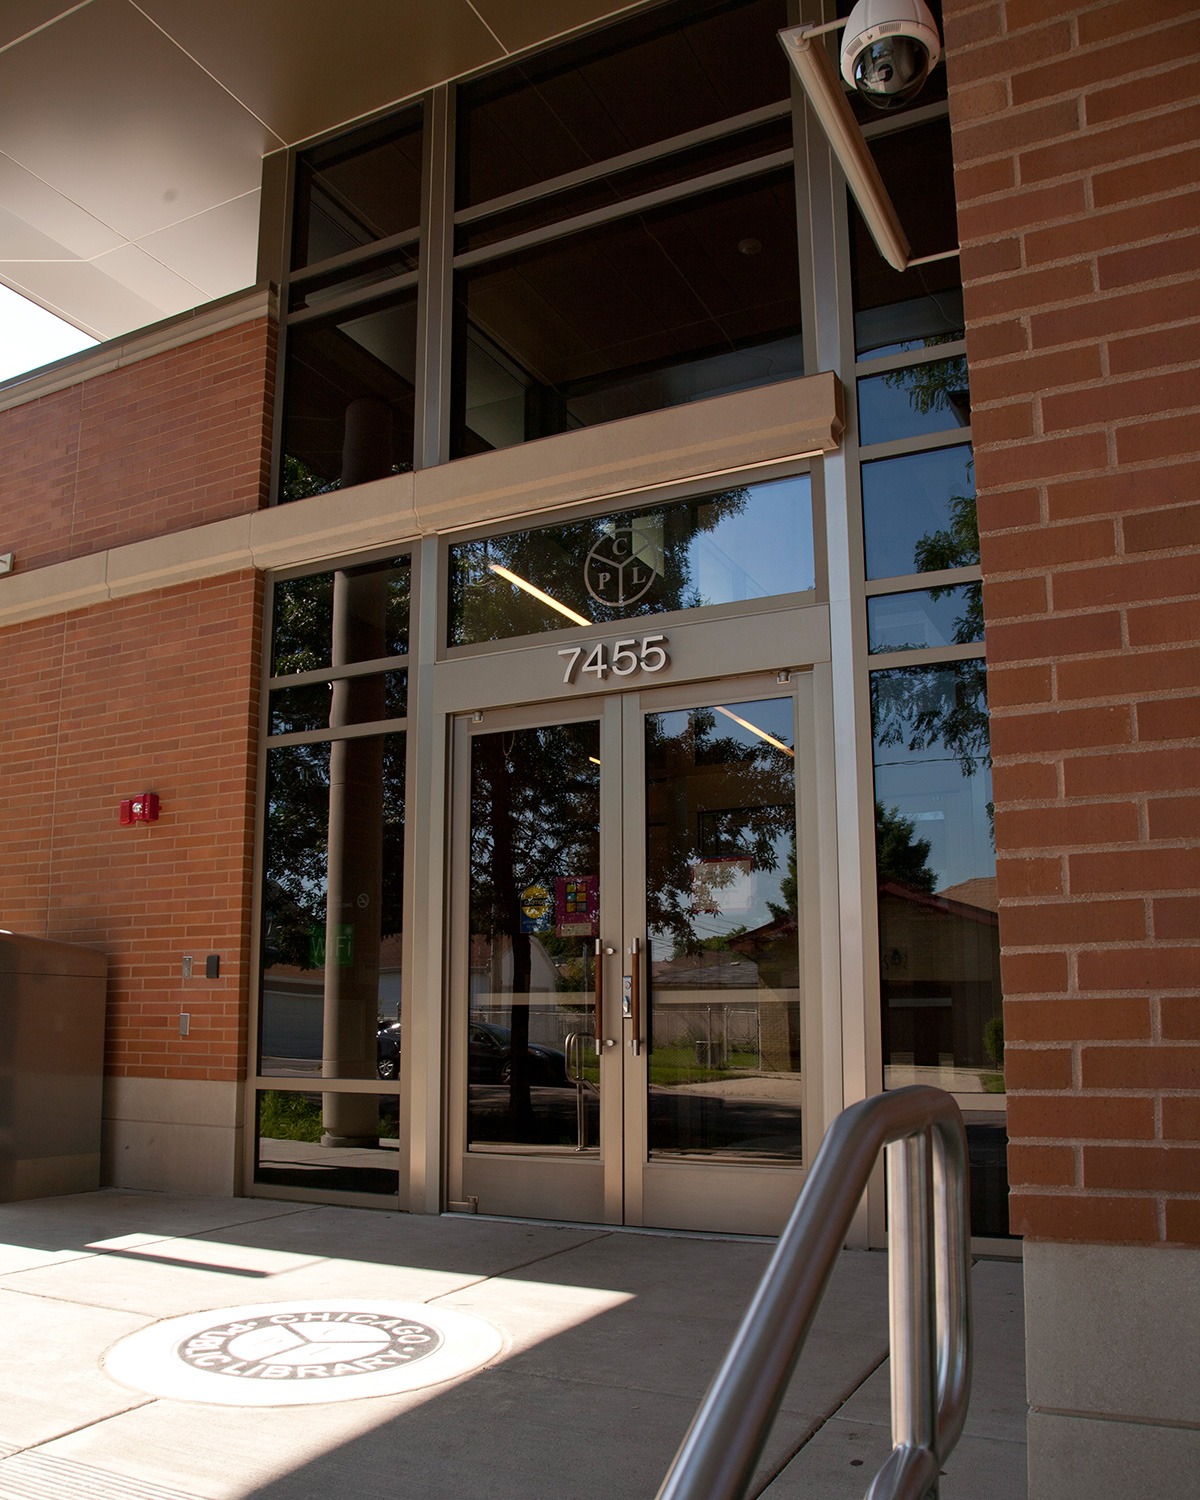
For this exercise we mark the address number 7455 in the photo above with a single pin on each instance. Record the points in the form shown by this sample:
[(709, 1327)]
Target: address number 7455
[(647, 653)]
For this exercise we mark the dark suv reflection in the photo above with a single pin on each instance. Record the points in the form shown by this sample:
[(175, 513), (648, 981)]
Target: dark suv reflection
[(490, 1058), (489, 1050)]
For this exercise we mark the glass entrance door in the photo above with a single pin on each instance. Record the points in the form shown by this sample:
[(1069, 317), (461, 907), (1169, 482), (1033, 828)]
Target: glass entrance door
[(629, 1026)]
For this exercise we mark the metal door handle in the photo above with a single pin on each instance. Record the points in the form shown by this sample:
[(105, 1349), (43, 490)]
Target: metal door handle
[(598, 999), (635, 996)]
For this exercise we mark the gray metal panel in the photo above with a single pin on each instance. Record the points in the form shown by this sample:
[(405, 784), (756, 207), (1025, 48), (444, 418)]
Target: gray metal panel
[(20, 954), (52, 1003)]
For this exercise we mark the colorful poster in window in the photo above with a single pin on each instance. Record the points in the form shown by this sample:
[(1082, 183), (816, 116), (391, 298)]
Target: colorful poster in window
[(577, 906), (535, 909)]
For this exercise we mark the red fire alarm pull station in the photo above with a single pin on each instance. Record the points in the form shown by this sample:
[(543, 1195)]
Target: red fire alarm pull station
[(140, 809)]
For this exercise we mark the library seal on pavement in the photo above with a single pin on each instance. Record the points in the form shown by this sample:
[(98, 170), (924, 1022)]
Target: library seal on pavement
[(297, 1353)]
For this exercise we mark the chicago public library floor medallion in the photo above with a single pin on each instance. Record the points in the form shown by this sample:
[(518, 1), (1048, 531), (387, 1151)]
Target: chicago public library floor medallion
[(300, 1353)]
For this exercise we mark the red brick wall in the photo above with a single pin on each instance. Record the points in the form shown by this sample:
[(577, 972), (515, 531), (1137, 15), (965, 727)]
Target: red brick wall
[(156, 693), (160, 445), (1076, 132)]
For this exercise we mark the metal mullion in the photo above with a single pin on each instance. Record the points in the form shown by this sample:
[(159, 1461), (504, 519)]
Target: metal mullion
[(435, 294), (352, 257), (357, 298), (614, 164), (336, 674), (926, 656), (956, 437), (347, 732), (907, 583), (660, 198), (280, 368), (885, 363)]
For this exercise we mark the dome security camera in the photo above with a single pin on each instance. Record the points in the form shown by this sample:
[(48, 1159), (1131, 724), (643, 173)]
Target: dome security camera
[(888, 50)]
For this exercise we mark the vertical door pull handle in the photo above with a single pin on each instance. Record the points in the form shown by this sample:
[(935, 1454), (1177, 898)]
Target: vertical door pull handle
[(598, 999), (635, 996)]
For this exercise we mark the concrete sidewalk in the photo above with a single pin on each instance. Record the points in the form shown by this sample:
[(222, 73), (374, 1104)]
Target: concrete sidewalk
[(609, 1339)]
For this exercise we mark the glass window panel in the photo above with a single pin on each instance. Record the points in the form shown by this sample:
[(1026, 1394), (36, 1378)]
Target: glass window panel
[(744, 145), (348, 412), (656, 310), (723, 962), (676, 68), (916, 309), (534, 913), (938, 911), (749, 542), (919, 512), (333, 705), (372, 605), (329, 1142), (912, 402), (925, 618), (936, 866), (332, 903), (358, 189)]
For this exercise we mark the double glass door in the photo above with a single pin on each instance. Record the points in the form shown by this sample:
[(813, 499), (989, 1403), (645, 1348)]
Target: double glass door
[(629, 1029)]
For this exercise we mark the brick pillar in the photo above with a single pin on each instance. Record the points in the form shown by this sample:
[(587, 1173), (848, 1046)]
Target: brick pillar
[(1075, 135)]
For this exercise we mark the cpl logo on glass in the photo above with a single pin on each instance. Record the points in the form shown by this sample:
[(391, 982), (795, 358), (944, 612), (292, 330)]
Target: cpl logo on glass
[(624, 563)]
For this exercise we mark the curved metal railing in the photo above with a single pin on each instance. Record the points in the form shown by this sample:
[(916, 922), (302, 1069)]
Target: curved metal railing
[(928, 1295)]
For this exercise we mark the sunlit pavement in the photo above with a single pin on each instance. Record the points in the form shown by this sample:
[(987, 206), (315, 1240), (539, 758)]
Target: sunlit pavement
[(606, 1341)]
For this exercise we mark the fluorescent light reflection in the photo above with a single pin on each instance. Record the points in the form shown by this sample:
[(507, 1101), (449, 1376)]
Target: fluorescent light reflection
[(523, 583), (754, 729)]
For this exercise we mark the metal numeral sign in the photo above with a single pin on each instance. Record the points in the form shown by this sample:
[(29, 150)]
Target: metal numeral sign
[(647, 653)]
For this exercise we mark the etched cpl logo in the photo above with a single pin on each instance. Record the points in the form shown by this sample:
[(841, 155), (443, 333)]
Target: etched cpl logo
[(623, 565), (312, 1345)]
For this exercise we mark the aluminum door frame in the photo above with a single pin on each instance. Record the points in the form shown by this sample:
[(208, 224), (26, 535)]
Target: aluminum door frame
[(621, 1184)]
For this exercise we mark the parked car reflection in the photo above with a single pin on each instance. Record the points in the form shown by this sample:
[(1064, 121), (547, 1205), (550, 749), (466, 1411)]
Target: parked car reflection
[(490, 1056), (489, 1050), (387, 1049)]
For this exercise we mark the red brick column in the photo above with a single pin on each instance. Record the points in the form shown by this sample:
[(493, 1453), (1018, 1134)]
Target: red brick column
[(154, 693), (1075, 136)]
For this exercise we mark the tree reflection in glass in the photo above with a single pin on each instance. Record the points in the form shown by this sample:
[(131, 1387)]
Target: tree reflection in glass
[(939, 933), (722, 927), (750, 542), (534, 912)]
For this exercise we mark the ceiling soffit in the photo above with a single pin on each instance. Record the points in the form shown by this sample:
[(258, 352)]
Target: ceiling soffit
[(132, 131)]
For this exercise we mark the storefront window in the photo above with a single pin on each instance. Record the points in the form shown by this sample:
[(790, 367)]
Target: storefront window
[(350, 395), (925, 618), (676, 68), (919, 512), (358, 189), (914, 401), (333, 879), (372, 603), (939, 939), (332, 902), (749, 542), (696, 298)]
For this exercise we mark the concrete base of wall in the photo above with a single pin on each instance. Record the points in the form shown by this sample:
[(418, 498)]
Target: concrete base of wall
[(172, 1135), (1114, 1385)]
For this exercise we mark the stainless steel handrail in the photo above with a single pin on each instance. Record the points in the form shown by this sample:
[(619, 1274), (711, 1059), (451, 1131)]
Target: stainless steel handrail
[(928, 1295)]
